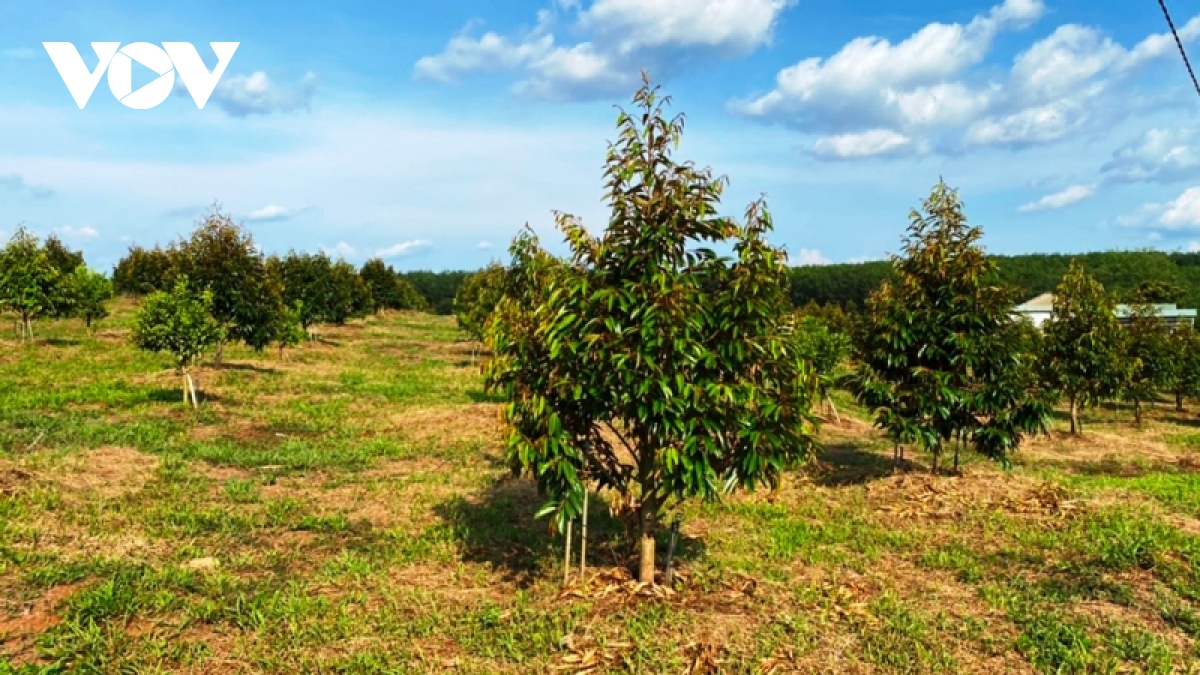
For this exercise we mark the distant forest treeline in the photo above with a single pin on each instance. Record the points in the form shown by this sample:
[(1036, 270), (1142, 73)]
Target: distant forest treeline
[(847, 285)]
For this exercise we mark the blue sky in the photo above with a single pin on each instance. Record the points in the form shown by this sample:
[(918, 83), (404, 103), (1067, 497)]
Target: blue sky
[(429, 132)]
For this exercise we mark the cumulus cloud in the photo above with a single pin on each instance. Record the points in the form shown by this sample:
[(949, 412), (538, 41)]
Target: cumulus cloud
[(810, 256), (402, 249), (1031, 126), (620, 38), (83, 232), (271, 212), (865, 144), (1183, 212), (933, 88), (340, 250), (257, 94), (1159, 155), (1061, 199)]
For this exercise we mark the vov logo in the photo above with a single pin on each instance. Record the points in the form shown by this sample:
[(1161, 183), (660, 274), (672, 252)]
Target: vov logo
[(171, 58)]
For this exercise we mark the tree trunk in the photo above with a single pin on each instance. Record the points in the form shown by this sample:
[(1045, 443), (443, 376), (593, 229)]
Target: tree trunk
[(1137, 413), (1074, 416), (183, 376), (1179, 401), (219, 354), (646, 545), (567, 555)]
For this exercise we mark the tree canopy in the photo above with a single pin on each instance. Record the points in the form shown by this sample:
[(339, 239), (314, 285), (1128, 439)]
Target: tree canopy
[(89, 292), (389, 289), (652, 366), (477, 298), (1082, 354), (220, 256), (180, 323), (142, 271), (940, 356), (29, 281)]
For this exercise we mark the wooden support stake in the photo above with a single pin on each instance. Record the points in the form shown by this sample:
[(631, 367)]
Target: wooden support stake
[(833, 408), (583, 534), (567, 556)]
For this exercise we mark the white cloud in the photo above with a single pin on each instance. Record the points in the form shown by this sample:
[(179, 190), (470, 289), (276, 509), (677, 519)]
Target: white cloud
[(485, 246), (464, 54), (1145, 216), (874, 81), (1070, 57), (1193, 247), (1061, 199), (1183, 212), (84, 232), (865, 144), (933, 89), (620, 38), (402, 249), (341, 250), (1160, 155), (256, 94), (809, 256), (734, 25), (271, 212), (1034, 125)]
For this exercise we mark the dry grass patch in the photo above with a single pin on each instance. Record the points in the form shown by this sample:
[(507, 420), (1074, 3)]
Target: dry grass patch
[(473, 423), (1101, 447), (108, 472), (912, 495)]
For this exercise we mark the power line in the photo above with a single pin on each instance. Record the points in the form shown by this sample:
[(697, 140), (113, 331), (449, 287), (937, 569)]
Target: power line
[(1163, 4)]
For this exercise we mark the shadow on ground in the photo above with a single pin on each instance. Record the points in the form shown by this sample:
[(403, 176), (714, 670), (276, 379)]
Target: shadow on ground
[(498, 527), (850, 464), (480, 396), (247, 367), (175, 395)]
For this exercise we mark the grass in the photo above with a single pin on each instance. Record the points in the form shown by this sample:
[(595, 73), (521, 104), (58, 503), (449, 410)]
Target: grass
[(348, 510)]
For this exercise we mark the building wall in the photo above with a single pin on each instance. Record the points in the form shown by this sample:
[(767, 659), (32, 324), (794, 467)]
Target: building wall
[(1037, 318)]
